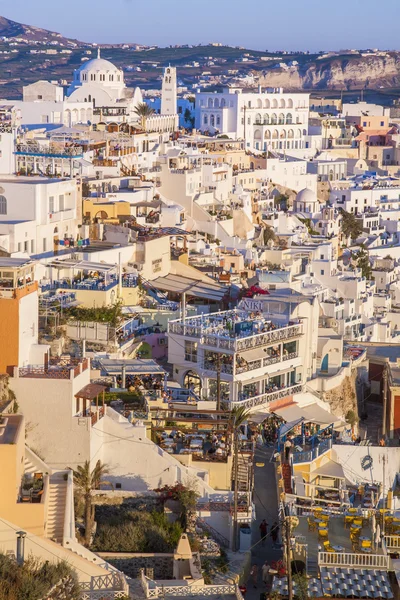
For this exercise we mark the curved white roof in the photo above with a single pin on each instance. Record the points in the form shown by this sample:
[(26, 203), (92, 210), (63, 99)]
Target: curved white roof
[(98, 64), (306, 195)]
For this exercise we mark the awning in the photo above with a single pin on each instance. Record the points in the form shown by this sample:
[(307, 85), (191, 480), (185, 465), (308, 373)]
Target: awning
[(250, 355), (199, 289), (312, 413), (286, 427), (330, 469), (91, 391), (147, 366)]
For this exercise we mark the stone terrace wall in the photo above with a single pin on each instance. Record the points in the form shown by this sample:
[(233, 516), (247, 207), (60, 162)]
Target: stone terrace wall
[(156, 566)]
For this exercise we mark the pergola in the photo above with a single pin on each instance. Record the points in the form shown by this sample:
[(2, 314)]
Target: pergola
[(81, 266), (90, 392)]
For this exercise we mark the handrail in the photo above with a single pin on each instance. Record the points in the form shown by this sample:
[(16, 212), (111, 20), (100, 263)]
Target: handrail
[(69, 516), (269, 397), (349, 559)]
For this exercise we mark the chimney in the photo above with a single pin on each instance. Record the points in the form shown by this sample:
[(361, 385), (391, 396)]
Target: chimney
[(21, 547)]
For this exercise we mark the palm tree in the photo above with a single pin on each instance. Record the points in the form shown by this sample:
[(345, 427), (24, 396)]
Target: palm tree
[(85, 482), (239, 416), (143, 111)]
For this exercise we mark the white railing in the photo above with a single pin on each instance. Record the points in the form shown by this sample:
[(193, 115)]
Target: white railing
[(273, 360), (69, 515), (269, 397), (152, 590), (234, 344), (347, 559), (103, 595), (110, 581), (392, 541)]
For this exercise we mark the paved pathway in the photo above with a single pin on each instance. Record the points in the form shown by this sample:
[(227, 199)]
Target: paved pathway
[(266, 503)]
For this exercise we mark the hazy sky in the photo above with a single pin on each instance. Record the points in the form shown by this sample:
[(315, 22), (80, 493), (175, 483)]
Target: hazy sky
[(259, 24)]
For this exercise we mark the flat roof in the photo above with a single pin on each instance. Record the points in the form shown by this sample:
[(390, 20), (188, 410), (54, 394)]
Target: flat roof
[(138, 366), (200, 289), (15, 263), (81, 264), (10, 431)]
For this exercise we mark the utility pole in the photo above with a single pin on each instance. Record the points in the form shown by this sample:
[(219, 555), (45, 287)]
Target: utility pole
[(235, 489), (218, 382), (383, 493), (384, 417), (288, 553)]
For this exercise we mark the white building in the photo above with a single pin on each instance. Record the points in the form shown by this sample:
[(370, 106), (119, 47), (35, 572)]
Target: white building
[(270, 120)]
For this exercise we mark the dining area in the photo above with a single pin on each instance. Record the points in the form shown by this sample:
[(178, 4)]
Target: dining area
[(32, 488), (204, 446)]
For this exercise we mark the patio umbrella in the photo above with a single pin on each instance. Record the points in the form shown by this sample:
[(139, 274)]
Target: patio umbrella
[(378, 535)]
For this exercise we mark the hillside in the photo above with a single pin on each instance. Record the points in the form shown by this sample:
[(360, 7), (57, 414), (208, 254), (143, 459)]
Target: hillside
[(11, 30)]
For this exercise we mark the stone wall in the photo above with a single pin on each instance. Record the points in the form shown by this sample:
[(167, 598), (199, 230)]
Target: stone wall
[(156, 566), (343, 398), (146, 501), (66, 589)]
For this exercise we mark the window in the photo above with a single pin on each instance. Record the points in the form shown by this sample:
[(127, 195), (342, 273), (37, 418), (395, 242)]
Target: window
[(322, 272), (61, 202), (191, 351), (51, 204), (44, 245), (364, 123), (40, 97), (26, 246), (382, 123), (32, 246), (3, 205), (19, 246)]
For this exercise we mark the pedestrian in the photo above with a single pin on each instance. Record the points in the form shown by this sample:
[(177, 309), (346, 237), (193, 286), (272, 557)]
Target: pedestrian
[(274, 532), (254, 575), (288, 447), (265, 573), (263, 530)]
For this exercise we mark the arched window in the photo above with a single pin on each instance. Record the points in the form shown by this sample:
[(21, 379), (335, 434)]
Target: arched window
[(216, 103), (192, 381), (267, 103), (205, 121), (282, 103), (289, 119), (218, 120), (259, 103), (212, 120), (267, 134), (3, 205), (274, 103), (210, 103), (281, 119), (290, 133), (289, 103), (283, 134), (258, 119), (266, 119), (111, 77), (274, 119), (257, 134), (275, 134), (223, 103)]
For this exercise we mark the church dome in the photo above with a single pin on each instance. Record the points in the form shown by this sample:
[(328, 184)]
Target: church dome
[(306, 196), (98, 64), (99, 71)]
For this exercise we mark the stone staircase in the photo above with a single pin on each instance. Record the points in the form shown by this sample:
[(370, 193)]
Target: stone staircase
[(244, 467), (56, 508)]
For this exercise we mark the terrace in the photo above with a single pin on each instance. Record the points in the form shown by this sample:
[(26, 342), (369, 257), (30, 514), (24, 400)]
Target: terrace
[(235, 330), (82, 275), (54, 368)]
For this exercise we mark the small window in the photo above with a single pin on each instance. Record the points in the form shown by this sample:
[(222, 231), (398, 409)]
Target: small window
[(61, 202), (44, 245), (40, 97), (51, 204), (322, 272), (3, 205), (191, 351), (26, 246), (382, 123)]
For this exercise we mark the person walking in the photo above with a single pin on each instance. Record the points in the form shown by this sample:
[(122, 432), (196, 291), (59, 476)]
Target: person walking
[(263, 531), (288, 447), (254, 575), (265, 573), (274, 533)]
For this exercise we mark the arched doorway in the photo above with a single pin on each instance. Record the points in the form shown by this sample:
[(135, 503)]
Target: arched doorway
[(191, 380)]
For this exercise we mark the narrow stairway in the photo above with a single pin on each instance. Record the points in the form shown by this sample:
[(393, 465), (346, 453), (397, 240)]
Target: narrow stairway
[(56, 508), (287, 477), (244, 468)]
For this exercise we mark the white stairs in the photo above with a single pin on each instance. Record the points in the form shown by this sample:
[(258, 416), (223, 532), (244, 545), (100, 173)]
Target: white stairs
[(56, 508)]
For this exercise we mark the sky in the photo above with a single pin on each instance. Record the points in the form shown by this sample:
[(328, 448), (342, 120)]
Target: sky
[(260, 24)]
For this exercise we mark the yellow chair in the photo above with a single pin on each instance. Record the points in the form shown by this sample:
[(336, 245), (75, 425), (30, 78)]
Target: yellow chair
[(328, 547), (323, 517), (323, 533), (312, 526), (317, 509), (352, 510), (348, 520), (357, 522), (366, 544)]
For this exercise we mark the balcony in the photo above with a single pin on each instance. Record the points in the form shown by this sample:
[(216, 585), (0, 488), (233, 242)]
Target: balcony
[(265, 362), (48, 152), (56, 368), (269, 397)]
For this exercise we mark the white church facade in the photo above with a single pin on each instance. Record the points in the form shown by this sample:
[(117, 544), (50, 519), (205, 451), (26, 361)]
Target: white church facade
[(97, 95), (266, 120)]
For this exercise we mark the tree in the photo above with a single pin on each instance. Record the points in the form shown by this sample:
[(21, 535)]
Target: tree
[(301, 581), (351, 226), (351, 418), (239, 415), (363, 263), (187, 115), (269, 235), (143, 111), (85, 482)]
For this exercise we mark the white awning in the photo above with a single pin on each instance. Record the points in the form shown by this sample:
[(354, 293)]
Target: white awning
[(255, 354), (313, 413), (330, 469)]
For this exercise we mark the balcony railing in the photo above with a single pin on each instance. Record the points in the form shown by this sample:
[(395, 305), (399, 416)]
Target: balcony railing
[(235, 344), (348, 559), (269, 397), (310, 455), (56, 369), (265, 362), (210, 365)]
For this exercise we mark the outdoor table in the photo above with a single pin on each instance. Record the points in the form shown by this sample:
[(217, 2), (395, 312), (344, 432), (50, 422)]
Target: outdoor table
[(196, 444), (338, 548), (366, 550), (364, 539), (352, 526)]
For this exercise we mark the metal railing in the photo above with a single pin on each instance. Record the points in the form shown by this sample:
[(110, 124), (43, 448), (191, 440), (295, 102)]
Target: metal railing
[(112, 581), (269, 397), (392, 541), (349, 559), (310, 455)]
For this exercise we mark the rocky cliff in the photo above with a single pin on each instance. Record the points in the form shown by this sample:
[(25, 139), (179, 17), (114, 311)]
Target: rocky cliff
[(347, 72)]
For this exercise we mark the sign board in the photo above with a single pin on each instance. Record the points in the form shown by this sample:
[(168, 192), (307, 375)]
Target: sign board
[(244, 327), (251, 305)]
